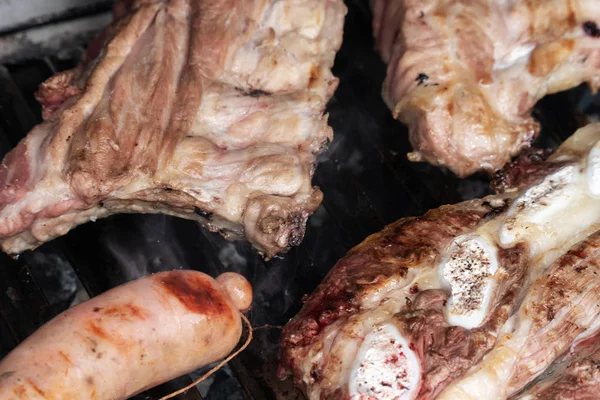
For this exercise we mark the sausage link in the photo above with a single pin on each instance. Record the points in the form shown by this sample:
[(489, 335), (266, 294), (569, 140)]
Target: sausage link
[(128, 339)]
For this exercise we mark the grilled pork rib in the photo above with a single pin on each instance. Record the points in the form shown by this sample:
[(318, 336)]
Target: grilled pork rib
[(207, 110), (464, 75), (415, 307)]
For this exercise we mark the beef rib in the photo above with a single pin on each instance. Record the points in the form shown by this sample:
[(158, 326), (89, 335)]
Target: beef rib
[(410, 311)]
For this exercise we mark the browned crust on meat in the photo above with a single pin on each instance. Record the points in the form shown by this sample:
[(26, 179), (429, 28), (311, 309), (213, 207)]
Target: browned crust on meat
[(579, 380), (528, 167), (405, 244), (456, 78), (181, 105), (195, 293), (562, 288), (572, 284)]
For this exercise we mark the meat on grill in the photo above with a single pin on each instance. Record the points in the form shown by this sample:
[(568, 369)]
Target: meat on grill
[(207, 110), (464, 75), (575, 378), (561, 309), (416, 306)]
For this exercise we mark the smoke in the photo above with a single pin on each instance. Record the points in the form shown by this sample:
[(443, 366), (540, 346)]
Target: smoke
[(55, 277), (148, 245), (143, 244), (319, 218), (231, 258), (221, 385), (473, 188), (354, 162)]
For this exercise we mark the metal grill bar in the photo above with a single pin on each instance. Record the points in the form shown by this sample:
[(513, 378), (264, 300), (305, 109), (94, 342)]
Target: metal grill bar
[(19, 14), (23, 306)]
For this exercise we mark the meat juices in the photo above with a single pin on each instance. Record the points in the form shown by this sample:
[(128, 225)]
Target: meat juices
[(464, 75), (411, 312), (210, 110), (129, 339)]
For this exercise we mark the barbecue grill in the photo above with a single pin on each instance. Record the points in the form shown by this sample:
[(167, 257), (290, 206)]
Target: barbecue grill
[(366, 180)]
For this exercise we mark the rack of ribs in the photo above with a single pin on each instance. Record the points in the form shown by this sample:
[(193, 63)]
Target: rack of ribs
[(464, 75), (206, 110)]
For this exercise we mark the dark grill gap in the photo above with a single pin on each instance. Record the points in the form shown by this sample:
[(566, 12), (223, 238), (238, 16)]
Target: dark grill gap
[(364, 175)]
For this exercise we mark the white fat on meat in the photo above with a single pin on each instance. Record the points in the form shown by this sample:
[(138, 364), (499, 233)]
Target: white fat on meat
[(487, 380), (518, 54), (468, 270), (386, 368), (552, 215), (533, 211), (593, 170)]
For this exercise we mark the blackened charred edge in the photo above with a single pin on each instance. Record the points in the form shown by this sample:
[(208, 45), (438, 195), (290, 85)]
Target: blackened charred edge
[(496, 206), (591, 29), (292, 227), (323, 147), (422, 78), (7, 375), (315, 373), (297, 222), (254, 93), (333, 299), (523, 169), (202, 213), (258, 93)]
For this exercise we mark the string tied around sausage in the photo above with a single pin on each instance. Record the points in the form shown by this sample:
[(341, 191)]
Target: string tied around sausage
[(218, 366)]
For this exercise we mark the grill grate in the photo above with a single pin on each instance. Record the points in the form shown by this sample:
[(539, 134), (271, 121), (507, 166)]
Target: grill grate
[(365, 177)]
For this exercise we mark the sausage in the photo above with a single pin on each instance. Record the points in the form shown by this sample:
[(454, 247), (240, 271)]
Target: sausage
[(129, 339), (238, 288)]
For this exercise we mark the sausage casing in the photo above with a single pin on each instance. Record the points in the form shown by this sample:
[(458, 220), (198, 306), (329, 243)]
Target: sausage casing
[(126, 340)]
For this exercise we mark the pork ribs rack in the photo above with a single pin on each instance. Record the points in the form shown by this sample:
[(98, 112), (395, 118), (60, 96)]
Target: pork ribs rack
[(206, 110)]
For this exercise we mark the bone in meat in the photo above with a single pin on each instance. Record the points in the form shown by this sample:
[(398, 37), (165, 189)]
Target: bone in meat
[(207, 110), (560, 309), (413, 308)]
